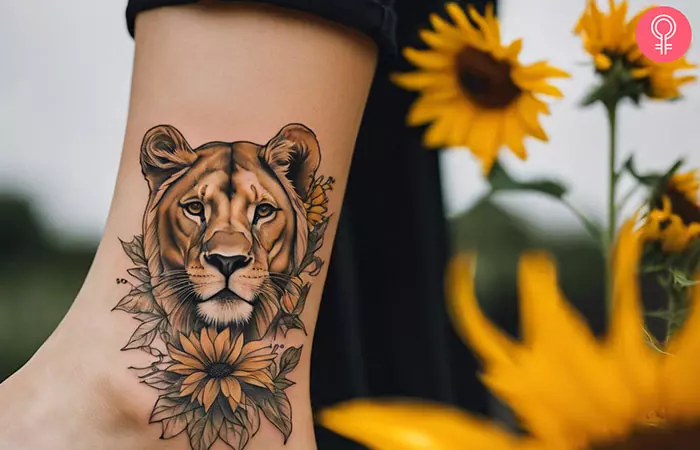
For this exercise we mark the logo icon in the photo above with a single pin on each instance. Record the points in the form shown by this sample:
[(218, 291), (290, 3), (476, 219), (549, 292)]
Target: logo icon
[(663, 34)]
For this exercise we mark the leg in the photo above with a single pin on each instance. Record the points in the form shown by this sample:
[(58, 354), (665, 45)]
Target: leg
[(229, 230)]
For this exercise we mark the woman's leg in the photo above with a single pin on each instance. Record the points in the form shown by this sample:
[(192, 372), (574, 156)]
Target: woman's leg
[(229, 240)]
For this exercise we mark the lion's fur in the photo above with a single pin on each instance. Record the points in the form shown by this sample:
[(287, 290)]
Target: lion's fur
[(176, 245)]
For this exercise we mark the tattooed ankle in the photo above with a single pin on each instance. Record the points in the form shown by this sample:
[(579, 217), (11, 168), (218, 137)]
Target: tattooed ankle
[(221, 274)]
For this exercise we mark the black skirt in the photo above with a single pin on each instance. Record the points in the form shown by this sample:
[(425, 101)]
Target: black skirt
[(375, 18)]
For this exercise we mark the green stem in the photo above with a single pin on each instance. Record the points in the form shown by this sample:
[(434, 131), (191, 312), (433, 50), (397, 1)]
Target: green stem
[(670, 318), (612, 207), (593, 229)]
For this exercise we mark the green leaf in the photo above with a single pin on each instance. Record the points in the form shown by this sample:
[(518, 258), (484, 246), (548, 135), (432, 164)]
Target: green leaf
[(245, 424), (134, 250), (278, 411), (682, 279), (204, 431), (145, 334), (283, 384), (311, 263), (173, 426), (234, 434), (617, 84), (301, 302), (140, 274), (665, 315), (500, 180), (650, 179), (170, 406), (137, 301), (289, 360)]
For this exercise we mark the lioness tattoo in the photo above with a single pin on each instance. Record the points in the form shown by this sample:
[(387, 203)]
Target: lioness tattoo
[(222, 270)]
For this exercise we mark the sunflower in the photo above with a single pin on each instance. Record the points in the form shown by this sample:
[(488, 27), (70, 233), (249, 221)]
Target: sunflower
[(316, 203), (570, 390), (215, 364), (473, 89), (676, 222), (611, 41)]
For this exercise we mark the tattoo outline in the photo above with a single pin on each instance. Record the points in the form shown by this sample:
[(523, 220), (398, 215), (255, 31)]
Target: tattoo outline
[(228, 245)]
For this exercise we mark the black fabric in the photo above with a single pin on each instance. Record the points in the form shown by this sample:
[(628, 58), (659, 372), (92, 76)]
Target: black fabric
[(375, 18), (383, 330)]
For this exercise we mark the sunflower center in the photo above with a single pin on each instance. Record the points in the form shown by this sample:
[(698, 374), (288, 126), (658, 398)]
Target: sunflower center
[(485, 80), (657, 438), (219, 370), (687, 210)]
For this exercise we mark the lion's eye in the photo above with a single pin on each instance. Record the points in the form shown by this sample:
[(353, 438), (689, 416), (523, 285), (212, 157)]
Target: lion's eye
[(264, 210), (194, 208)]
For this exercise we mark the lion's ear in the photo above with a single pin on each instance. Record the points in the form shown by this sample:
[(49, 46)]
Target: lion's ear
[(294, 153), (164, 151)]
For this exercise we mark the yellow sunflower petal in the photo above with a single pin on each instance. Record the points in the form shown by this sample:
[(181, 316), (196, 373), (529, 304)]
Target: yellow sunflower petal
[(235, 350), (427, 59), (211, 391), (538, 71), (529, 109), (464, 117), (443, 27), (541, 87), (231, 388), (492, 22), (253, 347), (513, 50), (207, 345), (681, 389), (437, 134), (514, 134), (425, 110), (418, 81), (459, 17), (439, 42), (192, 350), (638, 363), (640, 73), (188, 389), (414, 426), (194, 378), (220, 343), (256, 363), (602, 62), (492, 39), (486, 137), (582, 379), (259, 379), (184, 358), (212, 334), (472, 326), (182, 369)]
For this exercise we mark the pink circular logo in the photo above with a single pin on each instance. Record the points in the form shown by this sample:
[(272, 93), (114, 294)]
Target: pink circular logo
[(664, 34)]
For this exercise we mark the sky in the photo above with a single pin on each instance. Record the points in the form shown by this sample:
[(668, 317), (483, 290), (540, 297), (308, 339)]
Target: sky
[(64, 87)]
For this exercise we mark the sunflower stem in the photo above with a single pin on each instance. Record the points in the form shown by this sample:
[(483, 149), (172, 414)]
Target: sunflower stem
[(671, 318), (612, 206)]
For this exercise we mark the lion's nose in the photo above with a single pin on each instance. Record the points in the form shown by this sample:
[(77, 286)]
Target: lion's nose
[(227, 264)]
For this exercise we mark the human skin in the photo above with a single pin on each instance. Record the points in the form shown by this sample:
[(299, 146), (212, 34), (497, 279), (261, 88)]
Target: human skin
[(217, 73)]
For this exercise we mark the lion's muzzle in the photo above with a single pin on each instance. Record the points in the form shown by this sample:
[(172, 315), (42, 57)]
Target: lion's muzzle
[(227, 265)]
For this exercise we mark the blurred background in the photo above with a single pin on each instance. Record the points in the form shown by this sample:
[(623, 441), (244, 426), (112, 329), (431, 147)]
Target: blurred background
[(64, 87)]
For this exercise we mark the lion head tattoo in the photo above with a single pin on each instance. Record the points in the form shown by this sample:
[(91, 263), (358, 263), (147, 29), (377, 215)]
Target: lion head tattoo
[(225, 227)]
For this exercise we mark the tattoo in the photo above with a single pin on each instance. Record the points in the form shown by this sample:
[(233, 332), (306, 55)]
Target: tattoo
[(230, 236)]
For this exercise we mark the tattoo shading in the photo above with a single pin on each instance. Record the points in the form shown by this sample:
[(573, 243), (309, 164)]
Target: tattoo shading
[(222, 269)]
